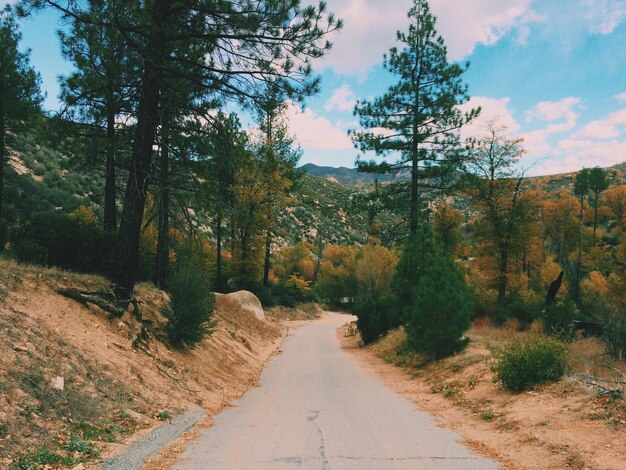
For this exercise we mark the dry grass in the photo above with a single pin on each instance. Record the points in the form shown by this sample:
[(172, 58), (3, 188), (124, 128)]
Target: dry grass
[(308, 311)]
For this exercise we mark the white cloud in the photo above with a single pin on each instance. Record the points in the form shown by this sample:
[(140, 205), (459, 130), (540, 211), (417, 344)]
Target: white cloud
[(573, 154), (536, 142), (610, 127), (343, 99), (598, 143), (466, 24), (554, 110), (492, 111), (621, 97), (315, 132), (371, 25), (605, 15)]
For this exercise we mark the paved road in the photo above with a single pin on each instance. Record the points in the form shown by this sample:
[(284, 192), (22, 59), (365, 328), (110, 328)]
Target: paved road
[(316, 409)]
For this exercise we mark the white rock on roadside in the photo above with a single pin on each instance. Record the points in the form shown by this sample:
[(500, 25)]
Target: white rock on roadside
[(248, 302), (58, 383)]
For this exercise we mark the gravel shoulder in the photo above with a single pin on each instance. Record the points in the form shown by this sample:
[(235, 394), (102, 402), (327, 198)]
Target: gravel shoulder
[(133, 458)]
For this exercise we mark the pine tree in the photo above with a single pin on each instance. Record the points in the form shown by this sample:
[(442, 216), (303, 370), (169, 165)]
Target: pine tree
[(598, 182), (278, 157), (222, 146), (20, 95), (433, 296), (243, 43), (418, 118), (101, 89)]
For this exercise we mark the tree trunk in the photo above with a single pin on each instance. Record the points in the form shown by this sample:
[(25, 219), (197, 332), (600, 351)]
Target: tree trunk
[(268, 249), (127, 253), (163, 242), (503, 279), (218, 262), (595, 213), (580, 254), (414, 193), (110, 209)]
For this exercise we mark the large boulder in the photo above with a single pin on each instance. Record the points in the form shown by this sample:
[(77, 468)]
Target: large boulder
[(247, 301)]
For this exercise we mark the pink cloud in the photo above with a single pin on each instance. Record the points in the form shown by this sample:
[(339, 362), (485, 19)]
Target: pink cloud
[(343, 99), (371, 25), (492, 111), (315, 132)]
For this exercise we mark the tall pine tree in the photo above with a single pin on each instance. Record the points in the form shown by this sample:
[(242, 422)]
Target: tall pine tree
[(246, 43), (101, 89), (418, 119)]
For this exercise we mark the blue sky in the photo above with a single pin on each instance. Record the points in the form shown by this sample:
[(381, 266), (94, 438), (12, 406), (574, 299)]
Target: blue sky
[(552, 71)]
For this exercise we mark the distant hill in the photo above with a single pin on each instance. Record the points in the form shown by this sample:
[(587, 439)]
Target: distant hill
[(43, 177), (616, 175), (346, 176)]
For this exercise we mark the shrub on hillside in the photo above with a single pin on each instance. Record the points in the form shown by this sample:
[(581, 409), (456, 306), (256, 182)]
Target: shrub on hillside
[(58, 240), (522, 365), (517, 308), (373, 317), (433, 296), (189, 312), (374, 270), (613, 322), (558, 319)]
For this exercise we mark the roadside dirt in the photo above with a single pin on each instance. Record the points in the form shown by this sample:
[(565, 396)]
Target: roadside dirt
[(552, 427), (112, 391)]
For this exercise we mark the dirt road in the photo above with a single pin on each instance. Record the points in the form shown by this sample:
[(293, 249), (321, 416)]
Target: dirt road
[(317, 409)]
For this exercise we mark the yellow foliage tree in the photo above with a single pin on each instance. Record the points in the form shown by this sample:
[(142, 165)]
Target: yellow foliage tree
[(84, 215)]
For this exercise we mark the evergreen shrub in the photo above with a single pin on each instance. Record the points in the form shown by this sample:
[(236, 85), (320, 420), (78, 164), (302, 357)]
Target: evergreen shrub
[(522, 365), (190, 310), (433, 297)]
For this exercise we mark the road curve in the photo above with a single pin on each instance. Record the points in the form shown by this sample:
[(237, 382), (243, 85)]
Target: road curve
[(316, 409)]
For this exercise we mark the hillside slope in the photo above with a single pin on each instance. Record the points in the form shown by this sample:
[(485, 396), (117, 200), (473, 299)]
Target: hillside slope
[(110, 388)]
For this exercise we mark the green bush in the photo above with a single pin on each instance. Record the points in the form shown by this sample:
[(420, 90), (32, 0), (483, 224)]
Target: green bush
[(373, 317), (190, 309), (265, 296), (613, 323), (517, 308), (558, 319), (286, 294), (29, 251), (522, 365), (432, 294), (56, 239)]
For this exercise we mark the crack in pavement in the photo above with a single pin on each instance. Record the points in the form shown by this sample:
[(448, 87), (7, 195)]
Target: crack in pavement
[(322, 447)]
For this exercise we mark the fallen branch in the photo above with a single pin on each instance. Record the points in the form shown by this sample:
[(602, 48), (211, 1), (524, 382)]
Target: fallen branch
[(179, 381), (603, 390), (95, 298)]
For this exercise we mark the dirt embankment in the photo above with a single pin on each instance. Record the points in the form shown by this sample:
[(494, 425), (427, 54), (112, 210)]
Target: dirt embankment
[(565, 425), (74, 389)]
